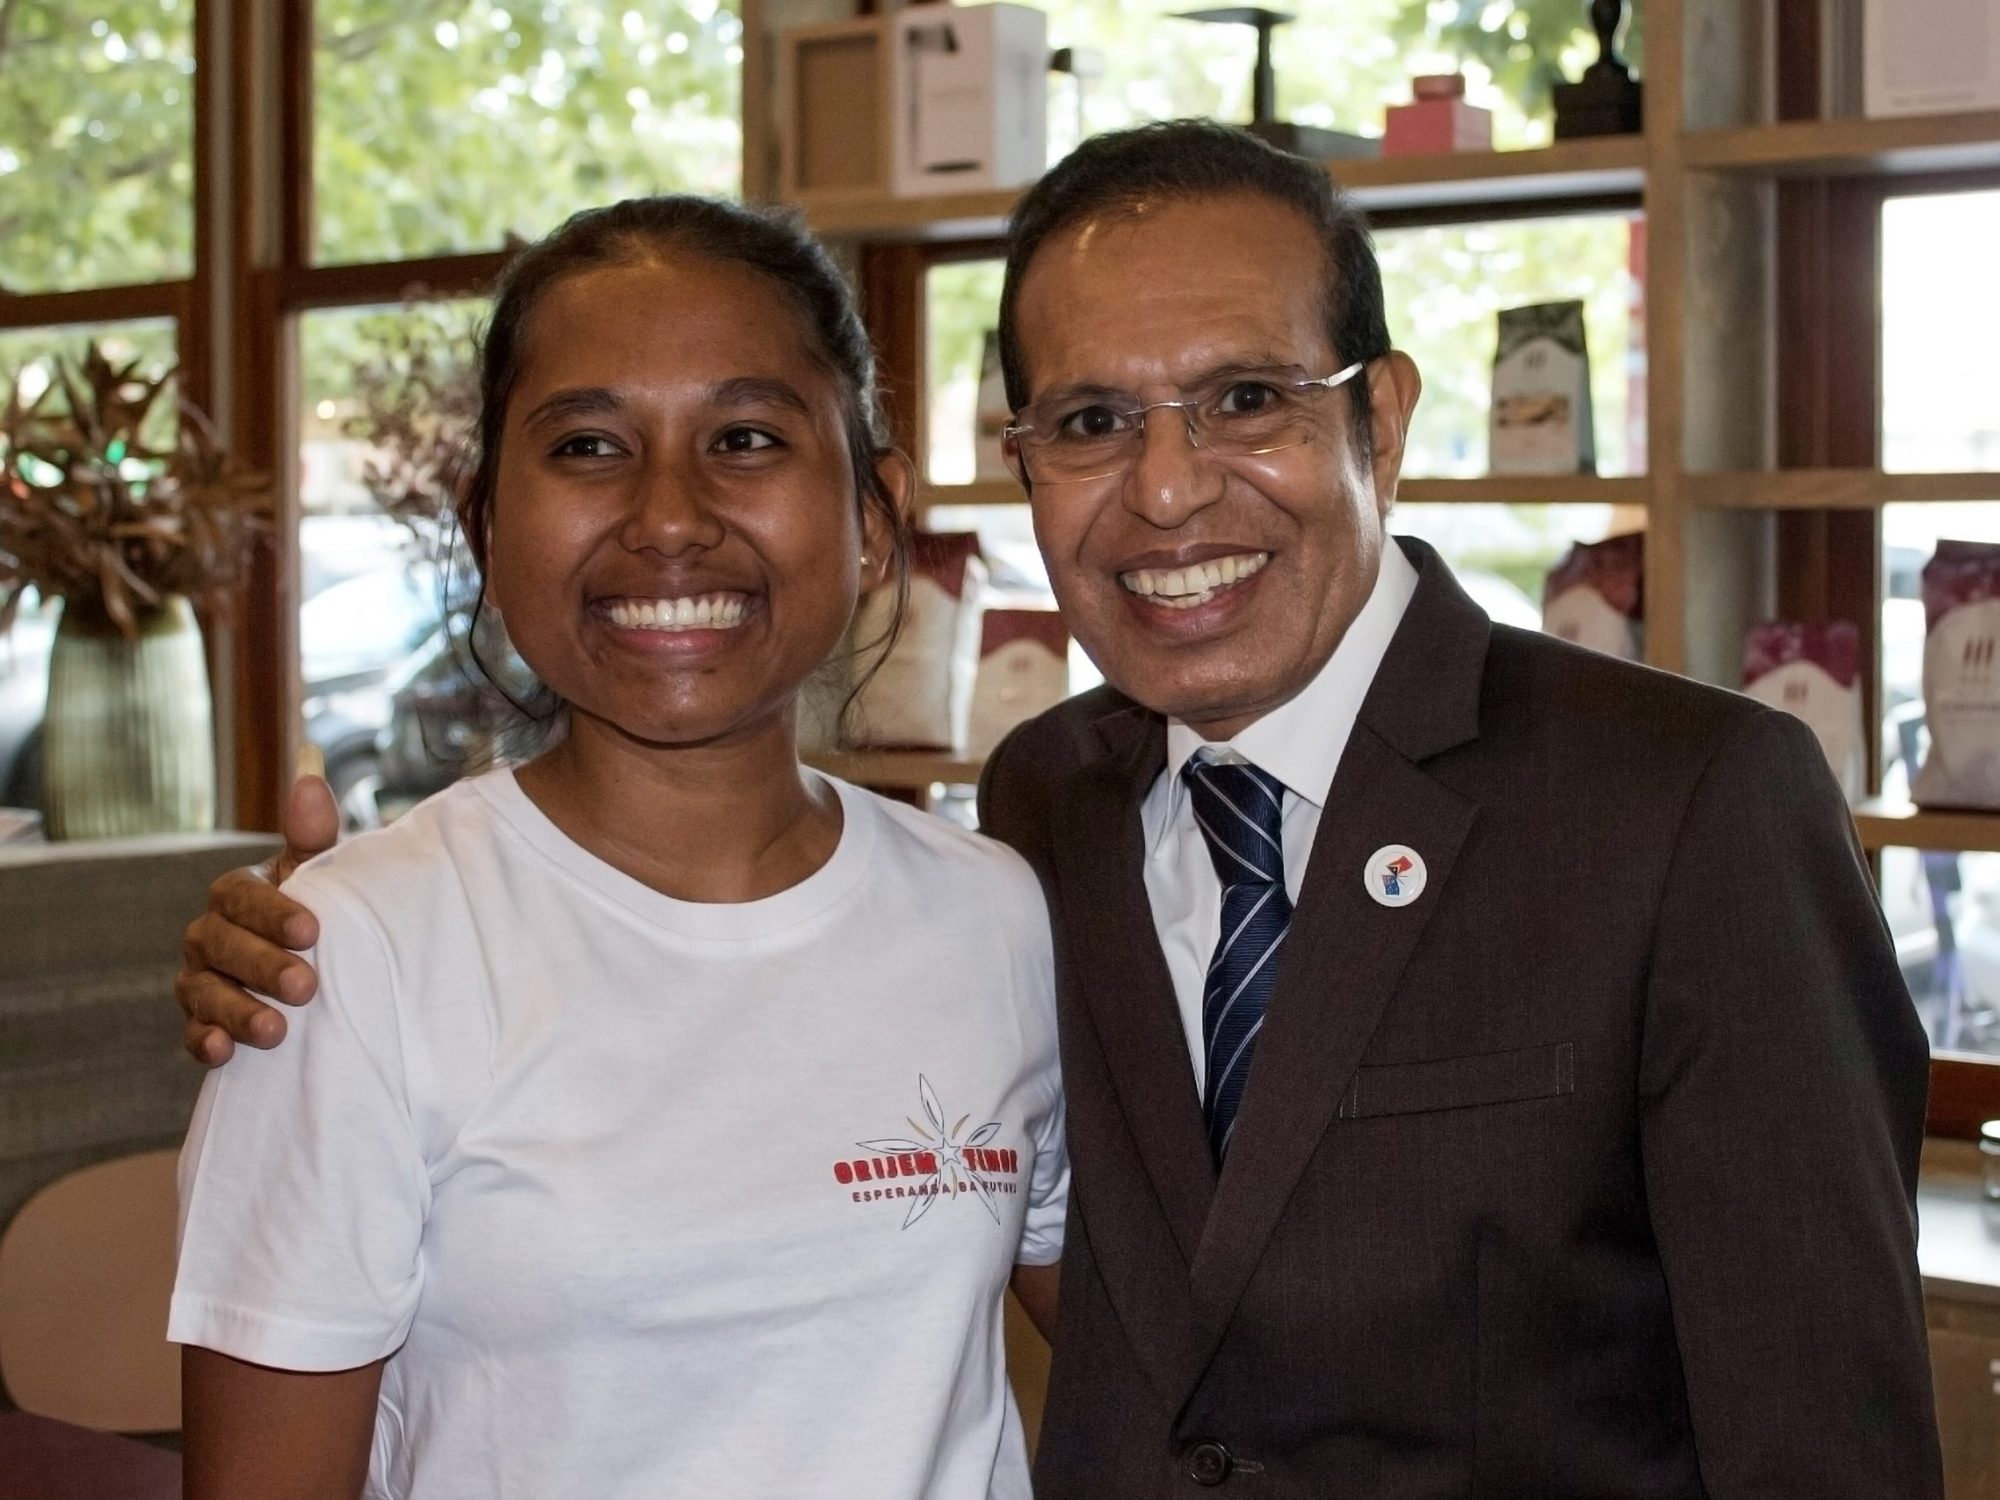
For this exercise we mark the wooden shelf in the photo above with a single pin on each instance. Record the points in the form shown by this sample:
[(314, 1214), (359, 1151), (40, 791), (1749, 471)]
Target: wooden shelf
[(1525, 489), (1835, 489), (1607, 165), (1882, 824), (901, 770), (1844, 148), (980, 492), (1610, 165), (954, 216)]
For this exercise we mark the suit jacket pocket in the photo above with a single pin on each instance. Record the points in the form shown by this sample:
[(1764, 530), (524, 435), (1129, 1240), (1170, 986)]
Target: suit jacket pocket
[(1461, 1082)]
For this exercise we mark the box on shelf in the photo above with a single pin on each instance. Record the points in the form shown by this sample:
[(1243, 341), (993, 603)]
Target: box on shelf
[(969, 98), (1814, 672), (1439, 119), (1927, 57), (833, 113), (1023, 669), (1596, 596)]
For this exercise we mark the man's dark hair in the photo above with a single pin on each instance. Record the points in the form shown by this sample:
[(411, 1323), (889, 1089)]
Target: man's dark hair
[(1199, 159)]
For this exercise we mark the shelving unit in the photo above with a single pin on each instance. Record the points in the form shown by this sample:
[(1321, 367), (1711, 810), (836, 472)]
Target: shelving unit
[(1734, 533), (897, 770), (1885, 825)]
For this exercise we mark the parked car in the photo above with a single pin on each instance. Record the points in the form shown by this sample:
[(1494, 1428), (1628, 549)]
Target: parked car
[(353, 635)]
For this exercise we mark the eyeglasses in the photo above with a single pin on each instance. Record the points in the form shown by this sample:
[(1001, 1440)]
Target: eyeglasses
[(1071, 438)]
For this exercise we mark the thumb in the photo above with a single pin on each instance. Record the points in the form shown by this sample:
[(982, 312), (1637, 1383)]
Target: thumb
[(312, 824)]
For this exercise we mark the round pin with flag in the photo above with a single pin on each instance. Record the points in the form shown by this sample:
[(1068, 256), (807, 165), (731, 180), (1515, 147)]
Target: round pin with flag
[(1395, 875)]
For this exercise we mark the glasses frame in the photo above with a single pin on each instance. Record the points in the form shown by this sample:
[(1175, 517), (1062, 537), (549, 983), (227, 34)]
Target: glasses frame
[(1186, 406)]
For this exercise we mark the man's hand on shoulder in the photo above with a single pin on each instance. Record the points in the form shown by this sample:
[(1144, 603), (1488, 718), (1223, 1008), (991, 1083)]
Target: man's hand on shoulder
[(245, 940)]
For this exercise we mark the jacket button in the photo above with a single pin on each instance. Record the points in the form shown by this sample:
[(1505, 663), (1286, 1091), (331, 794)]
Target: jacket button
[(1208, 1463)]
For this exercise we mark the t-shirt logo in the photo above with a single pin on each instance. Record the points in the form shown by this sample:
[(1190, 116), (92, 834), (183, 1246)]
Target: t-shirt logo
[(944, 1162)]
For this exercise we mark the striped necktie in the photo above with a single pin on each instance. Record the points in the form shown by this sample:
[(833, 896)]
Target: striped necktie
[(1239, 811)]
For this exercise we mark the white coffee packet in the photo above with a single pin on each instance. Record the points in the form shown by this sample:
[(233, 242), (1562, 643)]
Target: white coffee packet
[(1961, 586), (921, 696), (1541, 421), (1813, 671), (1595, 596), (1023, 670)]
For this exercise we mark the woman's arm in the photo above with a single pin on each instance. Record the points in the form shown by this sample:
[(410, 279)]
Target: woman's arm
[(254, 1433), (1035, 1288)]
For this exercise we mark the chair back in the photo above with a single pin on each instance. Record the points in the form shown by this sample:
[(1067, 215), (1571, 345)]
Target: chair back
[(86, 1272)]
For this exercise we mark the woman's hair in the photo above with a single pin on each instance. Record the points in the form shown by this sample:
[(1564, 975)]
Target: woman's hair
[(767, 240)]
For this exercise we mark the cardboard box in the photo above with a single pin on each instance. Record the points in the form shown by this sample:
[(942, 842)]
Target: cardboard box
[(1438, 120), (969, 94), (1925, 57)]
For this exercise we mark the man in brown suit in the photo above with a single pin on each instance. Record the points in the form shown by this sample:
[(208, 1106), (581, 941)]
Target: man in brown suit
[(1488, 1073), (1578, 1152)]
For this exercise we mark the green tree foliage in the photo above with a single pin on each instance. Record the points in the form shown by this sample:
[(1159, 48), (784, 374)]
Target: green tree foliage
[(96, 142), (445, 125)]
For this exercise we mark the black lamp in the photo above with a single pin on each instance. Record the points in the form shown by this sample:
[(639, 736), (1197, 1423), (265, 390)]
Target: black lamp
[(1301, 140)]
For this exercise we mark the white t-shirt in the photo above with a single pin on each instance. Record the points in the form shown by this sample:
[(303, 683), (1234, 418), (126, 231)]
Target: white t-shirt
[(646, 1197)]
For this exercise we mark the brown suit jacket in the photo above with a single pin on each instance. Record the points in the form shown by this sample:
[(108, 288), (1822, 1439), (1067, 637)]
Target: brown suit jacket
[(1589, 1174)]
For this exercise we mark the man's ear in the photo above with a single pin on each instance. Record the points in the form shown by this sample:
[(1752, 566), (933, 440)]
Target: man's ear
[(1394, 385), (878, 540), (1010, 453)]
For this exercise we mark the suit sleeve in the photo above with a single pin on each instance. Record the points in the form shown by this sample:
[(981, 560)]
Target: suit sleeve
[(1783, 1080)]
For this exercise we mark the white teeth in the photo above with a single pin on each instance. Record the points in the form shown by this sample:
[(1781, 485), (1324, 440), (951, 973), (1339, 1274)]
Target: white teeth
[(1184, 588), (708, 612)]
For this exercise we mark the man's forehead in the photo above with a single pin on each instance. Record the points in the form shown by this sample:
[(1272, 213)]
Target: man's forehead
[(1171, 290)]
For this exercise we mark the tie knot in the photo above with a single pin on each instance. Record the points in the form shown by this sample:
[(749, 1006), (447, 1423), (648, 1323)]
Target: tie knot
[(1240, 811)]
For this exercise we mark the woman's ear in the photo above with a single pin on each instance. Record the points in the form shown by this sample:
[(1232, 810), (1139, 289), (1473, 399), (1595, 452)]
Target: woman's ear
[(878, 531)]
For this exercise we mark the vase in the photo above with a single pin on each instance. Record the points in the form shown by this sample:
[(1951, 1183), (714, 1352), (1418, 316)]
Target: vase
[(129, 741)]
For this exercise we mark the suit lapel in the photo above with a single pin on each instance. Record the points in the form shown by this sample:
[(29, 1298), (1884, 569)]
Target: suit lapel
[(1340, 964), (1345, 953), (1125, 984)]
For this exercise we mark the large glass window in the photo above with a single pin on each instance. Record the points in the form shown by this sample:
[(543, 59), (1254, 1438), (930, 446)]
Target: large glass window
[(27, 367), (388, 403), (451, 125), (1339, 66), (1445, 287), (1940, 412), (96, 142)]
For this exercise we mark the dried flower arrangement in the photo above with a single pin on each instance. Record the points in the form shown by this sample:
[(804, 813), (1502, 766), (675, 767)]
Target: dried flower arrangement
[(418, 403), (93, 514)]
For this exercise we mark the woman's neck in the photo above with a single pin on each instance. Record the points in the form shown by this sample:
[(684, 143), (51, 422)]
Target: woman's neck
[(725, 822)]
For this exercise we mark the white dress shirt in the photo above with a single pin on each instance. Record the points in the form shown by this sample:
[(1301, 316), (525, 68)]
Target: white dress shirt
[(1300, 743)]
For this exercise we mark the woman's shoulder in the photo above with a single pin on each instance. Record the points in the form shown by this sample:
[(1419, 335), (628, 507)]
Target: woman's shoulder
[(953, 863), (398, 874)]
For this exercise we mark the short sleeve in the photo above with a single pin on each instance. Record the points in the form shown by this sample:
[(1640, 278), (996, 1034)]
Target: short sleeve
[(1048, 1193), (303, 1186), (1048, 1185)]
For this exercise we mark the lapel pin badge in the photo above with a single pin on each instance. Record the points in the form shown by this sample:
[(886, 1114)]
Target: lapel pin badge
[(1395, 875)]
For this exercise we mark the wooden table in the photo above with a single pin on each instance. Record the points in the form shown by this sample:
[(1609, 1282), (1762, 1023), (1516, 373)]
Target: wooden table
[(41, 1459)]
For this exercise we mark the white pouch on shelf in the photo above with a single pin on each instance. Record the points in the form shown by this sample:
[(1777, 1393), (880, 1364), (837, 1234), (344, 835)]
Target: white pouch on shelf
[(1961, 677), (1542, 421), (1813, 671), (1596, 596), (1023, 669), (922, 694)]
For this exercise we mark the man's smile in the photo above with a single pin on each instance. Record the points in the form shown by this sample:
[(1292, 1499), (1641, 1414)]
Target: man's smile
[(1193, 584)]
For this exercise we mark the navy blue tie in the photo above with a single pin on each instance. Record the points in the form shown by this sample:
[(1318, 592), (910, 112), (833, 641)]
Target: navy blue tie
[(1240, 812)]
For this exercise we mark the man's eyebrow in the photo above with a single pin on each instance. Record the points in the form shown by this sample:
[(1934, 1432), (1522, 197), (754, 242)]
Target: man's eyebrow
[(577, 401), (758, 390)]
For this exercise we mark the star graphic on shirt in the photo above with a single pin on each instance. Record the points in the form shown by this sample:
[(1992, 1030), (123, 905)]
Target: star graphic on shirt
[(948, 1147)]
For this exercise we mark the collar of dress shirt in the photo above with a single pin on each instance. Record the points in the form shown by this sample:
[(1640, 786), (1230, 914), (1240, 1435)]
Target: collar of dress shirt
[(1301, 741)]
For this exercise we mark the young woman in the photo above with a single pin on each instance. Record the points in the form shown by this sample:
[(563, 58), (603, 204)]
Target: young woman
[(670, 1118)]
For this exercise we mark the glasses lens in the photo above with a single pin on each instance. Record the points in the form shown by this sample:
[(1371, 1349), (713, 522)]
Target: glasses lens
[(1070, 440), (1251, 415)]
